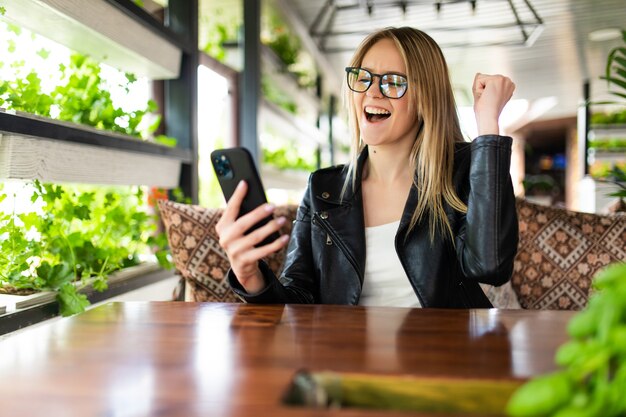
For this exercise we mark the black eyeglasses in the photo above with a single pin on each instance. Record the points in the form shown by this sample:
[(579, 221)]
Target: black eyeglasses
[(391, 85)]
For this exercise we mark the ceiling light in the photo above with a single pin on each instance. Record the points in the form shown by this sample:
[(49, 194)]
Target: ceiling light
[(602, 35)]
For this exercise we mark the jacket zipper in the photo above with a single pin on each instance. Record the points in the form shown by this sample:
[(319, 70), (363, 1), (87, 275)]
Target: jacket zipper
[(330, 234)]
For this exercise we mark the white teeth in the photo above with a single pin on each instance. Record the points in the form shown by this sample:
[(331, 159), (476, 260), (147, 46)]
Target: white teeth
[(376, 110)]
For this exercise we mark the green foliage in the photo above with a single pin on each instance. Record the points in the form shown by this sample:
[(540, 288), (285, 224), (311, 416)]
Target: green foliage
[(78, 236), (220, 30), (288, 158), (615, 72), (80, 97), (275, 95), (608, 144), (617, 117), (3, 10), (284, 44), (592, 381), (605, 170), (287, 47)]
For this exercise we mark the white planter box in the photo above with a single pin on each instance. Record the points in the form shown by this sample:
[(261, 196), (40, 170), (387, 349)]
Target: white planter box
[(47, 160), (284, 179), (16, 302), (101, 30)]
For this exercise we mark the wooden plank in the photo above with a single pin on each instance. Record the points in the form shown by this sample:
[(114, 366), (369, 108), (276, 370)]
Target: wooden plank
[(27, 158), (101, 30)]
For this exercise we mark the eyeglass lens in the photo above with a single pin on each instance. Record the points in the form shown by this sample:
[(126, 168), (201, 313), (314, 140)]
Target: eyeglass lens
[(391, 85)]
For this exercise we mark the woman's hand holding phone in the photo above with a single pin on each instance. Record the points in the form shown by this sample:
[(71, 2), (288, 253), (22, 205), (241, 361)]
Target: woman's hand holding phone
[(240, 247)]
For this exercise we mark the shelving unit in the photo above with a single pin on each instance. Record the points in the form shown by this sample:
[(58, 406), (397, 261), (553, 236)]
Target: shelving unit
[(596, 191), (287, 82), (127, 37), (52, 151), (107, 31)]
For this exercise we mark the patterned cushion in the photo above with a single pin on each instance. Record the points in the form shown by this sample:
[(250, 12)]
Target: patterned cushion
[(560, 251), (502, 297), (197, 254)]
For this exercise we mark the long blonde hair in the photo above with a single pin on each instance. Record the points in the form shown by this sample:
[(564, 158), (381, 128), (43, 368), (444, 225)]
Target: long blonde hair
[(431, 98)]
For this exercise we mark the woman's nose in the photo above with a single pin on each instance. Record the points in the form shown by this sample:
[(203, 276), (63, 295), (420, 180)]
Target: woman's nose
[(374, 90)]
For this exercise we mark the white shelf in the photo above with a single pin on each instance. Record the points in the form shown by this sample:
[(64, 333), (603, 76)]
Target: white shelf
[(17, 302), (33, 147), (289, 124), (283, 179), (99, 27), (27, 158)]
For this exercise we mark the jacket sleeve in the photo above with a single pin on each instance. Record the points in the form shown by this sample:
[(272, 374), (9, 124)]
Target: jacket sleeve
[(297, 284), (486, 243)]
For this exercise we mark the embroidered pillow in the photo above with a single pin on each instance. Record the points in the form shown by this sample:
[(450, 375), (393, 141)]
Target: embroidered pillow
[(502, 297), (197, 255), (559, 253)]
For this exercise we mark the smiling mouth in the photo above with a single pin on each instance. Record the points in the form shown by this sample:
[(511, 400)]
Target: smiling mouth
[(376, 114)]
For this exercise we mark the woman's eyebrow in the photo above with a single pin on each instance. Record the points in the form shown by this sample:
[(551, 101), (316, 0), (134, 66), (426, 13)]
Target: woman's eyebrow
[(384, 72)]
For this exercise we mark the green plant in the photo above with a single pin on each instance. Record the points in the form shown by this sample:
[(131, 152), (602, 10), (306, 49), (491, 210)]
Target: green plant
[(288, 158), (277, 96), (81, 96), (218, 30), (617, 176), (592, 381), (287, 47), (77, 237), (609, 144), (616, 117), (615, 72)]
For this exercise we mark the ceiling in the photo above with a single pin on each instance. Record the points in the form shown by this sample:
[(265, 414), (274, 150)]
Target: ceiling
[(548, 72)]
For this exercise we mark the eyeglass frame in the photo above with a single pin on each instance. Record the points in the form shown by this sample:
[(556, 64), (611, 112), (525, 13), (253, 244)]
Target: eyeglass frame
[(380, 81)]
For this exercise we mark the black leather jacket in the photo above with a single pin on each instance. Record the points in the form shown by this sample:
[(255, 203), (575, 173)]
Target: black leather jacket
[(325, 259)]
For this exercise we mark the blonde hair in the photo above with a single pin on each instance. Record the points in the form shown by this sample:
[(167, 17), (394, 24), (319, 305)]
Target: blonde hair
[(431, 98)]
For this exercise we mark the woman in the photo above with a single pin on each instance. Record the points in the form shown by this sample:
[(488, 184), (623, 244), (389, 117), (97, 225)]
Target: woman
[(418, 218)]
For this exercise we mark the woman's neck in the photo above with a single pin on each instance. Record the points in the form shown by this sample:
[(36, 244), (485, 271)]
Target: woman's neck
[(388, 164)]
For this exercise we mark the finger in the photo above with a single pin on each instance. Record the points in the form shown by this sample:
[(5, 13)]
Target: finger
[(241, 243), (234, 204), (245, 222), (253, 255), (266, 230), (479, 83)]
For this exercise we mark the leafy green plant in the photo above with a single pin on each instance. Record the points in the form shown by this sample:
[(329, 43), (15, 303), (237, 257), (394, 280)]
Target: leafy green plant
[(277, 96), (608, 144), (288, 158), (592, 381), (616, 117), (77, 237), (219, 30), (615, 72), (287, 47), (81, 96)]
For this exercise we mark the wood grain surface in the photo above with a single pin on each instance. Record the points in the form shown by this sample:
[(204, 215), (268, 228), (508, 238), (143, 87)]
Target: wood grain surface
[(209, 359)]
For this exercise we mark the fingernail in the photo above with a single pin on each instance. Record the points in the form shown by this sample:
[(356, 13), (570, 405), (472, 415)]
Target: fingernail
[(241, 184), (281, 220), (269, 207), (284, 238)]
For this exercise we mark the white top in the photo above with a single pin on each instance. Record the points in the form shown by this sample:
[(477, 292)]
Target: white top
[(385, 282)]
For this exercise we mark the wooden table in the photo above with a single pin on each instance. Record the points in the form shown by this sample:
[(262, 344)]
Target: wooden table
[(205, 359)]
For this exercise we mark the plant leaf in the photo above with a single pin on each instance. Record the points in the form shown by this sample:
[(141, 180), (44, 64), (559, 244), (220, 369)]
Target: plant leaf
[(70, 301), (56, 276)]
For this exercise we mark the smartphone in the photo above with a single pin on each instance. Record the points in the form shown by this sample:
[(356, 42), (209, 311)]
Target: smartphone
[(232, 165)]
